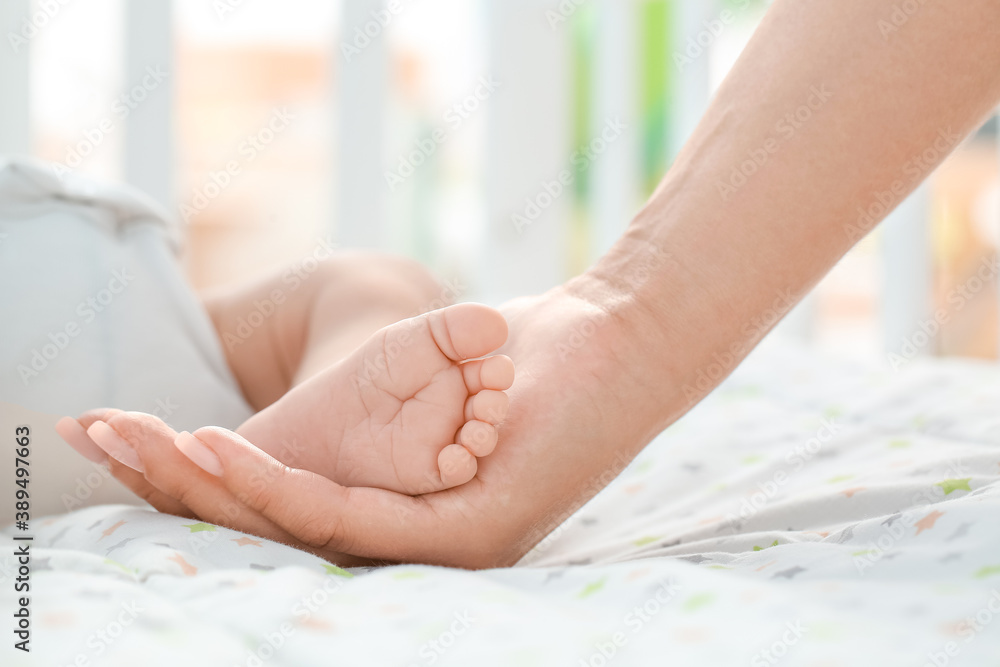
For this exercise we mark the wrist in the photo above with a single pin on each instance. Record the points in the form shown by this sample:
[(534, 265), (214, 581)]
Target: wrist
[(680, 322)]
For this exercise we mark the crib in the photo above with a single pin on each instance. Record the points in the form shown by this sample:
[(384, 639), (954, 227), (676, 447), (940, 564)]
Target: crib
[(650, 64)]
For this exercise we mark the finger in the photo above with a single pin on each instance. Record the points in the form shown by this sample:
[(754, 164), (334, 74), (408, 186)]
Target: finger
[(103, 414), (487, 406), (174, 475), (491, 373), (108, 439), (215, 504), (127, 474), (150, 436), (326, 516), (478, 437), (74, 432), (140, 486)]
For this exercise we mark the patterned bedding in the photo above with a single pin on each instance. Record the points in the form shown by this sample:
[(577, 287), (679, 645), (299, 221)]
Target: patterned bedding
[(808, 513)]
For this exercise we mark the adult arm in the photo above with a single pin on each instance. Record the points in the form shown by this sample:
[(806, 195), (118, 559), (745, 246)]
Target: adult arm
[(831, 116)]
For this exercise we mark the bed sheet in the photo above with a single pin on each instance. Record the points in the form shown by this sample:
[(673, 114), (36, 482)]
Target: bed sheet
[(808, 513)]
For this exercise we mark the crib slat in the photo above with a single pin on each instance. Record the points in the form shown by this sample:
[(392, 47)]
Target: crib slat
[(906, 296), (996, 226), (149, 128), (361, 90), (692, 74), (15, 128), (615, 96), (527, 147)]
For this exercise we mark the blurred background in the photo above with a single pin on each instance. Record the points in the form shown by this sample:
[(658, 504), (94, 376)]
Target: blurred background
[(438, 129)]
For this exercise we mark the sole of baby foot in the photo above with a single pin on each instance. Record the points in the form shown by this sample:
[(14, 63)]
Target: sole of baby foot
[(411, 410)]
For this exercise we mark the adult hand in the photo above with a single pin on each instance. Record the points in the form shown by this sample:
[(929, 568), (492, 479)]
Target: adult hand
[(557, 449), (147, 444)]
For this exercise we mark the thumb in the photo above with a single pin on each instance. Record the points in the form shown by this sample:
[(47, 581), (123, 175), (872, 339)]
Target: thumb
[(323, 515)]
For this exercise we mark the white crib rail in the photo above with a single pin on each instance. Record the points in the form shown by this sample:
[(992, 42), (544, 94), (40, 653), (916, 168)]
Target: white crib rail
[(615, 176), (15, 128), (528, 146), (360, 191), (150, 135), (527, 141), (907, 278), (694, 79)]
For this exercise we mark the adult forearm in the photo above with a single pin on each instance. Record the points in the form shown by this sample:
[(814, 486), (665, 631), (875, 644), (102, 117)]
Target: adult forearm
[(832, 115)]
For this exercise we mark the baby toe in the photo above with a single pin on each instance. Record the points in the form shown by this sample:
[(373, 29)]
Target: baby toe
[(497, 373), (491, 373), (456, 465), (487, 406), (478, 437), (467, 330)]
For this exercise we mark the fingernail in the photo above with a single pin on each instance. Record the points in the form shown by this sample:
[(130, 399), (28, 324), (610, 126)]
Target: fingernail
[(116, 446), (76, 437), (199, 453)]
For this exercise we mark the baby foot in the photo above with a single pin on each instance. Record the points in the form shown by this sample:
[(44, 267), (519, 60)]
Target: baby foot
[(406, 412)]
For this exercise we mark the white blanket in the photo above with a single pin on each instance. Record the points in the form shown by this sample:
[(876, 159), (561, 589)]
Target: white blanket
[(808, 513)]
